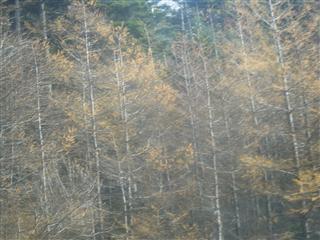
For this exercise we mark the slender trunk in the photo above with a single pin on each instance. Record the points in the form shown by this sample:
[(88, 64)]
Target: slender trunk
[(210, 113), (286, 89), (307, 127), (2, 119), (93, 122), (19, 228), (12, 99), (186, 76), (18, 18), (269, 207), (254, 115), (289, 108), (150, 52), (44, 21), (214, 152), (210, 109), (161, 175), (85, 118), (93, 227), (124, 199), (165, 60), (45, 35), (167, 173), (121, 172), (127, 141), (42, 150), (125, 121), (234, 180), (236, 204), (245, 57), (256, 201)]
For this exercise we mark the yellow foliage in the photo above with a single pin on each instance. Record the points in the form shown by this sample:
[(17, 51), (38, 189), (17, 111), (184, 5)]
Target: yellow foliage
[(189, 150), (91, 2), (104, 30), (257, 162), (64, 68), (156, 161), (316, 147), (257, 63), (308, 183), (59, 24), (154, 153), (256, 168), (286, 236), (80, 213), (184, 157), (69, 138), (166, 95), (145, 225)]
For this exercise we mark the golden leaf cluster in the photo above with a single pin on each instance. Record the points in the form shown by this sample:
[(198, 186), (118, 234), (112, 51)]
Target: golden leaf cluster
[(69, 139), (166, 95), (63, 67)]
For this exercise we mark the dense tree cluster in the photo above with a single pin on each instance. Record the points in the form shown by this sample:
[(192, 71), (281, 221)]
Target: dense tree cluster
[(133, 120)]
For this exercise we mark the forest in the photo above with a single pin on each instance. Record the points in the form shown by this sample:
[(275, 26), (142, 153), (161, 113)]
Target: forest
[(159, 119)]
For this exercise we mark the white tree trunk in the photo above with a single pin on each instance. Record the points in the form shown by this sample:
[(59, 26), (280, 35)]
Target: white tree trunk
[(253, 111), (44, 22), (41, 139), (210, 109), (289, 108), (213, 149), (234, 180), (118, 63), (93, 121), (45, 35), (18, 17), (191, 115), (285, 82)]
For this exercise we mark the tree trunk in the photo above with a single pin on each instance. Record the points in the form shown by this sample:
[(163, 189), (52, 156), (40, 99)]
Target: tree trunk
[(18, 18), (93, 123), (210, 109), (254, 115), (289, 108), (191, 115), (45, 35), (213, 152), (41, 139), (118, 63)]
